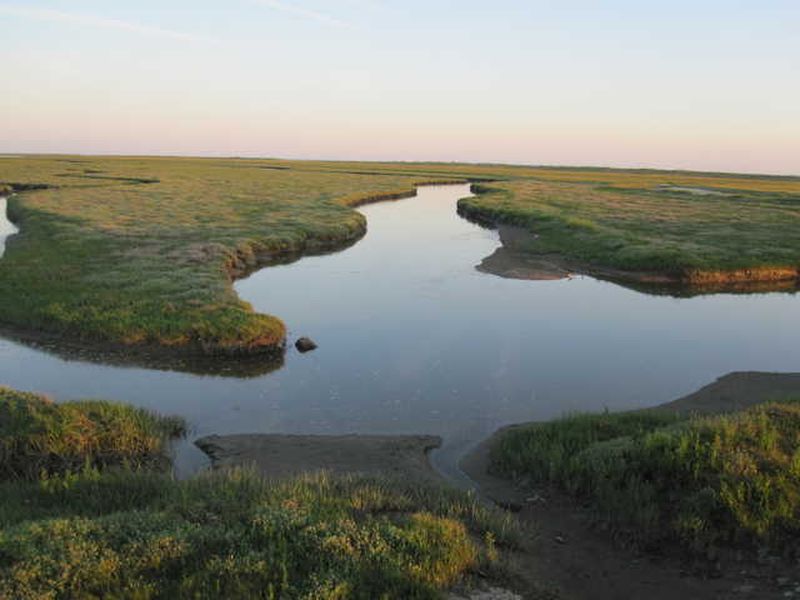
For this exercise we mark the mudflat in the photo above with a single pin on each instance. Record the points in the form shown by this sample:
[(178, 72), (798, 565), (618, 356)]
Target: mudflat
[(284, 456)]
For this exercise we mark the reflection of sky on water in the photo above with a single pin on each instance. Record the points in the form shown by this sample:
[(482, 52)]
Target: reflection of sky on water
[(412, 339), (6, 227)]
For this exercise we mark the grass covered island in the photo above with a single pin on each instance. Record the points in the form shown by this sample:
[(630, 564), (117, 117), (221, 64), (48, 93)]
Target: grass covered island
[(87, 511), (136, 254), (654, 227)]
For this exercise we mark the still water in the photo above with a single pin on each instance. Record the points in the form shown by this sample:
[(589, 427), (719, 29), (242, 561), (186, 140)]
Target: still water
[(6, 227), (413, 339)]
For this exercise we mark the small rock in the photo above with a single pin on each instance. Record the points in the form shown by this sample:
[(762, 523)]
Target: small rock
[(305, 344), (560, 539)]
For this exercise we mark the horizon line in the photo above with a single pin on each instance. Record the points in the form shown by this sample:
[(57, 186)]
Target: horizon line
[(410, 161)]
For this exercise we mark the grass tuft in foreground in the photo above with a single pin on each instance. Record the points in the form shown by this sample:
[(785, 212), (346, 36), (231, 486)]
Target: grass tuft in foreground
[(232, 534), (40, 438), (85, 512), (705, 482)]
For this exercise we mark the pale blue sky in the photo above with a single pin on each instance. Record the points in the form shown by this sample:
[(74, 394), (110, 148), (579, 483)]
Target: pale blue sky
[(704, 84)]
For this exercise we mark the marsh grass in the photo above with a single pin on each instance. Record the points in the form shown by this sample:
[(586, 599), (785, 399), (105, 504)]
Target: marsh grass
[(143, 252), (128, 252), (87, 511), (707, 483), (635, 225), (233, 534), (39, 438)]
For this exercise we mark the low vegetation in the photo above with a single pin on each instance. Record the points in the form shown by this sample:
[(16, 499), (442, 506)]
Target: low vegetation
[(143, 252), (39, 438), (140, 253), (707, 483), (232, 534), (84, 513), (649, 227)]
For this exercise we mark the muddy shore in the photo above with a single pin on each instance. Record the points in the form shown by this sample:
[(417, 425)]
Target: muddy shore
[(282, 456), (584, 563), (563, 549)]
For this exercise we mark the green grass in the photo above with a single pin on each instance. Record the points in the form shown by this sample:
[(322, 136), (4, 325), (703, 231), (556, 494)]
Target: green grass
[(232, 534), (706, 483), (39, 438), (108, 258), (87, 511), (140, 253), (633, 225)]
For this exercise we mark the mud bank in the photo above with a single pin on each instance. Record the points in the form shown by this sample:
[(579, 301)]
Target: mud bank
[(282, 456)]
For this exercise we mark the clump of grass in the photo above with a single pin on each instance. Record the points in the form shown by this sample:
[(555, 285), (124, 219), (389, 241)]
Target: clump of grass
[(705, 482), (40, 438), (232, 534), (85, 512)]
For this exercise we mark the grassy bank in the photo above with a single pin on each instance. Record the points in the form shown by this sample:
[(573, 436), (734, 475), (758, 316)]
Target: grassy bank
[(140, 253), (143, 252), (39, 438), (84, 512), (706, 483), (652, 226), (234, 535)]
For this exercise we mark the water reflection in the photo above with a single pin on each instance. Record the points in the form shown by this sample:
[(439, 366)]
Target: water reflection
[(413, 339), (7, 228)]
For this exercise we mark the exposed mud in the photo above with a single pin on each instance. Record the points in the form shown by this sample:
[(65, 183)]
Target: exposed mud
[(283, 456)]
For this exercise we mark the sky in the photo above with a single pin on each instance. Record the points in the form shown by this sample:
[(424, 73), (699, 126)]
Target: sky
[(702, 84)]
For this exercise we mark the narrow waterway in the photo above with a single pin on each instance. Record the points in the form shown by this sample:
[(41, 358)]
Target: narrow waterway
[(413, 339), (7, 228)]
